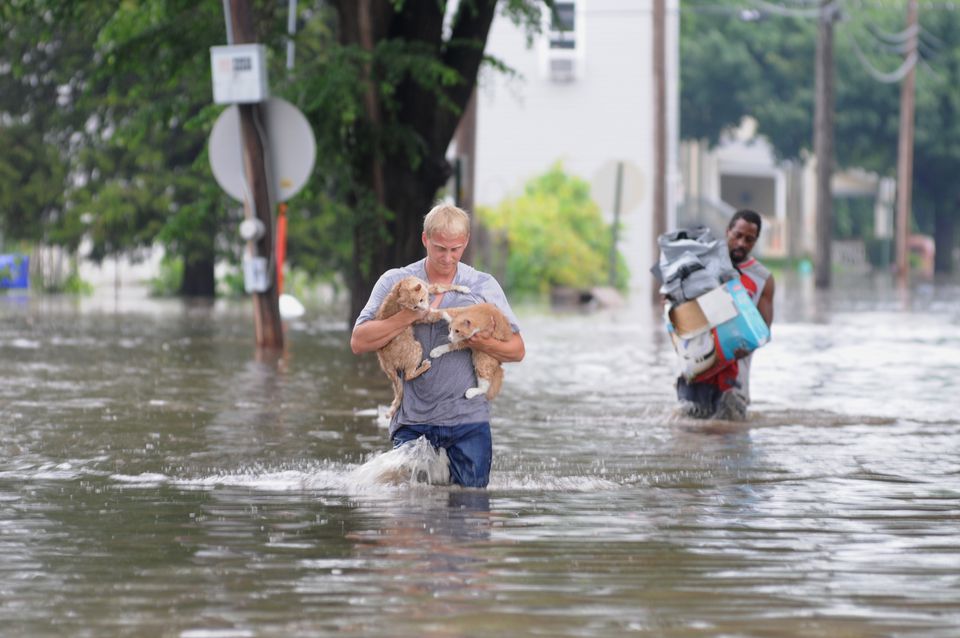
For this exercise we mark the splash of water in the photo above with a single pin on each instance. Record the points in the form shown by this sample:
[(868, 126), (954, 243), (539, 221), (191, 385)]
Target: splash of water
[(413, 462)]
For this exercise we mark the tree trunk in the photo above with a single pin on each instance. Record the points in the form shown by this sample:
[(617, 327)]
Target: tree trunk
[(383, 239), (408, 195), (199, 259), (198, 278), (943, 237)]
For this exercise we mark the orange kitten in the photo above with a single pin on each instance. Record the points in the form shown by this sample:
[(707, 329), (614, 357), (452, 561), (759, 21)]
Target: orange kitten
[(467, 321), (403, 354)]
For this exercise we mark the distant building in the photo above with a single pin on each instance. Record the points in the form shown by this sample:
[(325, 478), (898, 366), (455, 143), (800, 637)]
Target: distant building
[(742, 171), (583, 95)]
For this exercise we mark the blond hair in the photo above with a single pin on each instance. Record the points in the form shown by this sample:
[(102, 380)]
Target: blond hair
[(448, 220)]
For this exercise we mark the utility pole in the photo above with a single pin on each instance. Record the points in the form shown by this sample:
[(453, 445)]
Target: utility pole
[(905, 150), (823, 143), (659, 127), (267, 324), (466, 139), (615, 226)]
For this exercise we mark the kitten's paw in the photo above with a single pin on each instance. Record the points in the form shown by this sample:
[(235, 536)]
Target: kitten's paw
[(439, 351), (420, 369), (473, 392)]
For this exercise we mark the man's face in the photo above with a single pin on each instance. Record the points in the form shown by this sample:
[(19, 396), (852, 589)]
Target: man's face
[(444, 251), (741, 238)]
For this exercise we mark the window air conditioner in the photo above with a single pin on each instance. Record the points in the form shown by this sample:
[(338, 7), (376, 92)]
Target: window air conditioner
[(562, 69)]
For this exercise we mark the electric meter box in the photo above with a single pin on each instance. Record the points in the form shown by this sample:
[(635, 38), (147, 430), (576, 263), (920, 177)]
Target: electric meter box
[(239, 73), (255, 274)]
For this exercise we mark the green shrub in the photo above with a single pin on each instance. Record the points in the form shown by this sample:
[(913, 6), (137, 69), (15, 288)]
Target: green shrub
[(169, 279), (231, 284), (74, 285), (555, 236)]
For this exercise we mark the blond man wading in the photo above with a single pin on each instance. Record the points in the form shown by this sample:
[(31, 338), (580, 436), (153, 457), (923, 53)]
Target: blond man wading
[(434, 404)]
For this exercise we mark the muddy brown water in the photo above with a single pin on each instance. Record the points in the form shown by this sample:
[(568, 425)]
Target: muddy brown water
[(159, 478)]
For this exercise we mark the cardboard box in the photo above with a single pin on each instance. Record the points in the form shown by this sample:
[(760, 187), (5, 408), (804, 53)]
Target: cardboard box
[(709, 331)]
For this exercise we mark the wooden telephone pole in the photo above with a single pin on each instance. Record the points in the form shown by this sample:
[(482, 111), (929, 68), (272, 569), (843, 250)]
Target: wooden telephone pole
[(905, 151), (659, 128), (823, 144), (466, 139), (267, 324)]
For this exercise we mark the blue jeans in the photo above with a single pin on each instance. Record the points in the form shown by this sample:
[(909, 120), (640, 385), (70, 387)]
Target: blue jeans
[(701, 399), (469, 448)]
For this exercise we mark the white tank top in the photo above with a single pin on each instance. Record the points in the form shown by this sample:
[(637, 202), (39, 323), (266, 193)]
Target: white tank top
[(753, 276)]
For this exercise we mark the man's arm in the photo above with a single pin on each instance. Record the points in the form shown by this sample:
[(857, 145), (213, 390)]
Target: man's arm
[(765, 303), (765, 308), (509, 351), (376, 333)]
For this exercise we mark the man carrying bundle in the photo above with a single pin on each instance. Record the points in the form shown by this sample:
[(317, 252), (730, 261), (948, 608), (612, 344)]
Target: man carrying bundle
[(726, 395)]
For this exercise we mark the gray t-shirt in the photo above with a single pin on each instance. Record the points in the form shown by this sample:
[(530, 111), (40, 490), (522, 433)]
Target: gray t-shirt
[(436, 397)]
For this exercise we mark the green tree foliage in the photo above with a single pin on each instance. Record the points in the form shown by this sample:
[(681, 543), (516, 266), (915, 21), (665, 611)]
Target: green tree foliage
[(735, 62), (32, 180), (145, 157), (417, 63), (41, 58), (759, 61), (937, 143), (119, 92), (556, 236)]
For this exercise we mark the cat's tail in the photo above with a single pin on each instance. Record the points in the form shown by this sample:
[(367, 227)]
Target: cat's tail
[(392, 410), (397, 395)]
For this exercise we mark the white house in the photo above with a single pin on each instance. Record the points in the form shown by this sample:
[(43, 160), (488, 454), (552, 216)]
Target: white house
[(583, 95), (743, 172)]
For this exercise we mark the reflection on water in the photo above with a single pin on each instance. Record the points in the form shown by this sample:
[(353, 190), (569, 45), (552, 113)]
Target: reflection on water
[(158, 477)]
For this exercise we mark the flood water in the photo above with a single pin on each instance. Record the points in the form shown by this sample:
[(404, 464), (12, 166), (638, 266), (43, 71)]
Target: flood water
[(159, 478)]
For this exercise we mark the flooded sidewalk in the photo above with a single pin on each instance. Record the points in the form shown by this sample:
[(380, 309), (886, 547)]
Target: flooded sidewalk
[(157, 477)]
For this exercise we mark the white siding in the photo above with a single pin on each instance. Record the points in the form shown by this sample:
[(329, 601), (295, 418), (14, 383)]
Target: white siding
[(604, 115)]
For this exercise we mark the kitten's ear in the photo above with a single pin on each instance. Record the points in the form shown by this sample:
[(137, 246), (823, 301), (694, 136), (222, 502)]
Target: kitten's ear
[(467, 323), (418, 287)]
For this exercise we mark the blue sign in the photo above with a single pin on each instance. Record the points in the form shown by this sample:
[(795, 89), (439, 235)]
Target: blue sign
[(13, 271)]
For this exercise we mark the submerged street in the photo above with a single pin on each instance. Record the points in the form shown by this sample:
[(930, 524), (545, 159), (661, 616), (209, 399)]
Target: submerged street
[(158, 477)]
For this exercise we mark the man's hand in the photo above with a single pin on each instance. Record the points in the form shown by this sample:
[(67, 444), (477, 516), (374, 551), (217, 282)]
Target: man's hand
[(507, 351), (481, 341), (376, 333), (409, 316)]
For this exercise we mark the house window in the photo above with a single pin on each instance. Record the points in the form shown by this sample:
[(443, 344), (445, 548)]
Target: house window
[(564, 42), (563, 26)]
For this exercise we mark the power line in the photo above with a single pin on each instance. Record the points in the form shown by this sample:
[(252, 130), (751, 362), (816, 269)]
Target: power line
[(914, 42), (827, 11), (887, 78), (925, 45), (686, 6), (901, 38), (929, 68)]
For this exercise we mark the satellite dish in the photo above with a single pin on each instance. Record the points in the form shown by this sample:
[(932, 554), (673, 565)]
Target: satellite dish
[(290, 146)]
